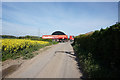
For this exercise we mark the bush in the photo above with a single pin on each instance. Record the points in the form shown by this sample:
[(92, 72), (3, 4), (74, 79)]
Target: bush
[(100, 49)]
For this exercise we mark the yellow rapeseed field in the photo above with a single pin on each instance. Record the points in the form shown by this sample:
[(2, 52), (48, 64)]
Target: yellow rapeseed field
[(14, 45)]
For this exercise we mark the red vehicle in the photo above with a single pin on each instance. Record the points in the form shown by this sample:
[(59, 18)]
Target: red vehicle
[(71, 38)]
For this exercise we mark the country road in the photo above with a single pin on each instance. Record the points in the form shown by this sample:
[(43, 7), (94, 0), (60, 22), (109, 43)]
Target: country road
[(55, 62)]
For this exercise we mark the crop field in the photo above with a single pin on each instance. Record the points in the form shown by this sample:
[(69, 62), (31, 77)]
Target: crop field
[(11, 48)]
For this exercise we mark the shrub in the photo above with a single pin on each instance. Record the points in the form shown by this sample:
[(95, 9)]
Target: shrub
[(99, 52)]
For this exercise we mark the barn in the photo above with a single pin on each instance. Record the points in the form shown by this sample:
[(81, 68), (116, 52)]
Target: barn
[(56, 36)]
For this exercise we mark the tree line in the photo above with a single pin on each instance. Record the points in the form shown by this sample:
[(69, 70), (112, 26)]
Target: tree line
[(24, 37)]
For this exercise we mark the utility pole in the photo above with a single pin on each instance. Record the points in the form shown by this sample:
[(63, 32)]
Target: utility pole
[(39, 32)]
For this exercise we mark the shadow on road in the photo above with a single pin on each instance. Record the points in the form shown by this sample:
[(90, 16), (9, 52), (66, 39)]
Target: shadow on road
[(76, 59), (67, 52), (9, 70)]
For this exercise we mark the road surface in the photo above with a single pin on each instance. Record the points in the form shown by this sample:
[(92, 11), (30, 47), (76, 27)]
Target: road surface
[(55, 62)]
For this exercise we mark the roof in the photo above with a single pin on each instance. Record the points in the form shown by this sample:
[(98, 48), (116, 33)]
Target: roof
[(58, 33)]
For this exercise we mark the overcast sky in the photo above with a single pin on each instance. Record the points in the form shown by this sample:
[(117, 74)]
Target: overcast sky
[(73, 18)]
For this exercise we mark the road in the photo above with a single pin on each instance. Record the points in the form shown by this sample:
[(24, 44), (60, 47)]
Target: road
[(55, 62)]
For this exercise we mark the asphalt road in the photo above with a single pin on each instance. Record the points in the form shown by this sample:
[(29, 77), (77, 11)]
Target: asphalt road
[(55, 62)]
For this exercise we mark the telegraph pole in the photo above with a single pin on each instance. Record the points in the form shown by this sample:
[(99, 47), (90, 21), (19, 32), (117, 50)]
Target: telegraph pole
[(39, 32)]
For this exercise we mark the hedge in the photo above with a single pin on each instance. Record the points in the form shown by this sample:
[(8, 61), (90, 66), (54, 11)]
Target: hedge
[(101, 50)]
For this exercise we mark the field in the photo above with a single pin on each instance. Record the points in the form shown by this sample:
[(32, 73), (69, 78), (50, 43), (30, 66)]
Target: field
[(14, 48)]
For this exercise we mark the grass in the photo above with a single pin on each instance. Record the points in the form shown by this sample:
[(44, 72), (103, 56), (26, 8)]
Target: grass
[(89, 66)]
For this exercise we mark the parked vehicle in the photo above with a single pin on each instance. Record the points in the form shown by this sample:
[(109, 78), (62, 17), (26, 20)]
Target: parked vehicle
[(71, 38)]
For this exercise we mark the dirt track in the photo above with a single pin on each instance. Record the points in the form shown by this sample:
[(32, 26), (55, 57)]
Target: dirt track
[(55, 62)]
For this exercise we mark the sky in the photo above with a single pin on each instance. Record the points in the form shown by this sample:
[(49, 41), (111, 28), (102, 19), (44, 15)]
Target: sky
[(60, 0), (119, 11), (43, 18)]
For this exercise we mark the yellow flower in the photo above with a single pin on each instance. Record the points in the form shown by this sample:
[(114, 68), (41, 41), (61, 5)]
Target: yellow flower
[(15, 44), (4, 49)]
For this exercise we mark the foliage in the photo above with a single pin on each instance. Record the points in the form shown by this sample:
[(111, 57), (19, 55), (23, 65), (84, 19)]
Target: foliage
[(103, 46), (7, 36)]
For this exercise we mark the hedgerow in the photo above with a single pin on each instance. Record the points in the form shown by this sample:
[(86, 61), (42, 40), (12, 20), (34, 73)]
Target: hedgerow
[(99, 52)]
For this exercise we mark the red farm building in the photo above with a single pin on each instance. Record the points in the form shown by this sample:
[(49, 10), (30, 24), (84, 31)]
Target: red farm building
[(56, 36)]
